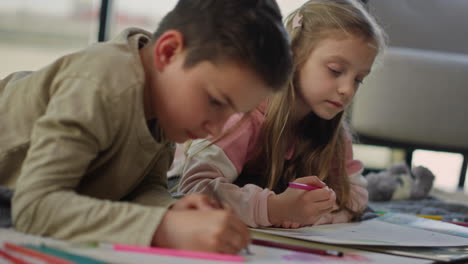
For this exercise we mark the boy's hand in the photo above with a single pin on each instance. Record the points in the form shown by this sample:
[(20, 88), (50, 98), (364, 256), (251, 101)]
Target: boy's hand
[(295, 208), (196, 201), (208, 230)]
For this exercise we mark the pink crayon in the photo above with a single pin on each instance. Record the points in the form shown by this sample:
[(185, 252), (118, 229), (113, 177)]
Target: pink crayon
[(302, 186)]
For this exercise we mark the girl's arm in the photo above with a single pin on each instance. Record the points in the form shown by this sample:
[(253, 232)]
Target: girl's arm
[(213, 167)]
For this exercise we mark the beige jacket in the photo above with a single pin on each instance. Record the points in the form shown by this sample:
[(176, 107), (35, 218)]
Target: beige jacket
[(77, 150)]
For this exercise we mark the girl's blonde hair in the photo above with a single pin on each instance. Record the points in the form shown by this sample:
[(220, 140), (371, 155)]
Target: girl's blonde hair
[(319, 144)]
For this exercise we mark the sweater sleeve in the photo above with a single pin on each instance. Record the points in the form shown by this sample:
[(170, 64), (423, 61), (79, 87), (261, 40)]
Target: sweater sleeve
[(358, 195), (213, 167), (76, 126)]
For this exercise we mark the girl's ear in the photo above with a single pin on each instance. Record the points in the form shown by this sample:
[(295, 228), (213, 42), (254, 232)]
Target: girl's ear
[(167, 47)]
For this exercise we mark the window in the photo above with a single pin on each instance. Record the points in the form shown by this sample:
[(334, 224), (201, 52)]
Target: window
[(35, 33), (445, 166), (144, 14)]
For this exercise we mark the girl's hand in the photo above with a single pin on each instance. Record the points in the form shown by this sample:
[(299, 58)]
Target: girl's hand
[(295, 208), (336, 217), (209, 230), (196, 201)]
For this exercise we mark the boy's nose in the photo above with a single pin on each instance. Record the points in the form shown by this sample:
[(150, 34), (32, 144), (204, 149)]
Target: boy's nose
[(213, 128)]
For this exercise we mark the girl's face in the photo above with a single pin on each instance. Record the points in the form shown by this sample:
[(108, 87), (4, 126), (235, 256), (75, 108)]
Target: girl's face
[(332, 73)]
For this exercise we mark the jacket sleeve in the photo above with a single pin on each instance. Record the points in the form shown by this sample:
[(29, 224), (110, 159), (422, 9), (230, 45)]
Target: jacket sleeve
[(358, 195), (79, 122), (153, 189), (213, 167)]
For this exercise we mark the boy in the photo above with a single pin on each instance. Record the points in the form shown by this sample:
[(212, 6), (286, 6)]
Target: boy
[(86, 141)]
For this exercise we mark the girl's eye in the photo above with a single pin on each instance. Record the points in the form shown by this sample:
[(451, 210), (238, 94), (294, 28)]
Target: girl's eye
[(334, 72), (358, 81)]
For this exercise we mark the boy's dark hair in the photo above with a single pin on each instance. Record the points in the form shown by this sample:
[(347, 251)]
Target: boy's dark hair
[(248, 32)]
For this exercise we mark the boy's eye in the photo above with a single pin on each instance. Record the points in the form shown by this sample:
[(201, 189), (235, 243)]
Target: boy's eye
[(215, 102)]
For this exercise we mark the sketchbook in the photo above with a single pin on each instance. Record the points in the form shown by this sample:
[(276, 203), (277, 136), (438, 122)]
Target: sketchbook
[(426, 224), (380, 231), (443, 254)]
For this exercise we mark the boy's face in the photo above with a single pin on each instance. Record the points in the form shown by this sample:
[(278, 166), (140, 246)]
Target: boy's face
[(195, 102)]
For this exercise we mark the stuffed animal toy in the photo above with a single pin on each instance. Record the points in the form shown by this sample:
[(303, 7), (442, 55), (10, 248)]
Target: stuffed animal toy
[(399, 182)]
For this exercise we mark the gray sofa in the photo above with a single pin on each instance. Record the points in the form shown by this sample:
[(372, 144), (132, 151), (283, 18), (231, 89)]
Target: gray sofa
[(416, 96)]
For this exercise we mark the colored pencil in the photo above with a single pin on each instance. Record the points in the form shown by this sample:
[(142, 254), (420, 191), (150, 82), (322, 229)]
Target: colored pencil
[(75, 258), (311, 250), (35, 254), (435, 217), (457, 223), (11, 258)]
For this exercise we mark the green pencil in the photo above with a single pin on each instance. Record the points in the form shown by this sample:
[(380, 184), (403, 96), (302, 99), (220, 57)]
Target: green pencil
[(64, 254)]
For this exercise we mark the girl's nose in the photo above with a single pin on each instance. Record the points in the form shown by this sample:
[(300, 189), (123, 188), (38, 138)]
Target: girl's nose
[(347, 88)]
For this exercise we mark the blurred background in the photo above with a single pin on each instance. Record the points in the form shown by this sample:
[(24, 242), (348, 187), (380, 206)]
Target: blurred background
[(33, 33)]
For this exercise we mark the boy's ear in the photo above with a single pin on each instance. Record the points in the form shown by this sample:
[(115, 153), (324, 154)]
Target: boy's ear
[(168, 45)]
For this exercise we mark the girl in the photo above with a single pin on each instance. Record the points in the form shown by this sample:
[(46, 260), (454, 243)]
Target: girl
[(298, 135)]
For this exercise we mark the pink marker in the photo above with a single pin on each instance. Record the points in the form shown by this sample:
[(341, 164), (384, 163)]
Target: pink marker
[(179, 253), (303, 186)]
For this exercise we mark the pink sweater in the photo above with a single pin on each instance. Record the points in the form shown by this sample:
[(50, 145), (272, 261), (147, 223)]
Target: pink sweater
[(215, 168)]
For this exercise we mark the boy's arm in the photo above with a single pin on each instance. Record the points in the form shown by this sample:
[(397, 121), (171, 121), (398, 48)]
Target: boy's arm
[(78, 124), (153, 189)]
